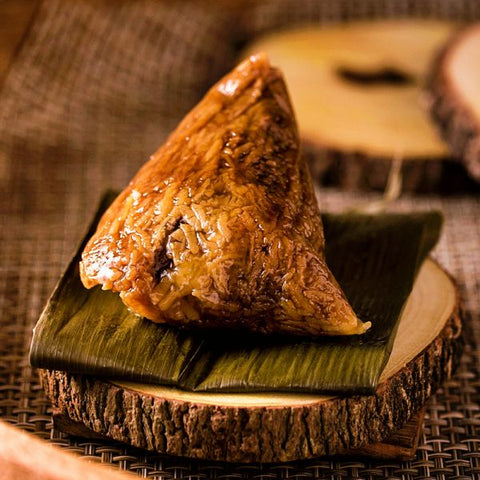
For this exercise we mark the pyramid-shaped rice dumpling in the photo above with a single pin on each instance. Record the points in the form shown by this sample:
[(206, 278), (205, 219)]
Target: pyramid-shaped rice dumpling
[(221, 228)]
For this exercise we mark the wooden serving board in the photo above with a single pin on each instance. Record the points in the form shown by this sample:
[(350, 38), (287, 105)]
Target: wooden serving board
[(455, 97), (271, 427), (358, 93)]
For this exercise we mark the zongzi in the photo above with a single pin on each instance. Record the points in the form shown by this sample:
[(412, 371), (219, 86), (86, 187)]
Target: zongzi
[(221, 227)]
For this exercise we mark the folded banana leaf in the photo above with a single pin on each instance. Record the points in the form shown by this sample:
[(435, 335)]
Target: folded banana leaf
[(375, 258)]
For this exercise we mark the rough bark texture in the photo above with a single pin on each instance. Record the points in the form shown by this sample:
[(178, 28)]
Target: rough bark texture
[(253, 434), (360, 172), (452, 116), (401, 445)]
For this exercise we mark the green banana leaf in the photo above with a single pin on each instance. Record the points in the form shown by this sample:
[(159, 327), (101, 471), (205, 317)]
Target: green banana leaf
[(375, 258)]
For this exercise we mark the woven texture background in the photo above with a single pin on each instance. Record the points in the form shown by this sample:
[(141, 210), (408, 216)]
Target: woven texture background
[(96, 88)]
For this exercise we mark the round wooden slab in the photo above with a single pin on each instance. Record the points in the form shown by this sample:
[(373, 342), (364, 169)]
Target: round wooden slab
[(357, 92), (455, 102), (277, 427)]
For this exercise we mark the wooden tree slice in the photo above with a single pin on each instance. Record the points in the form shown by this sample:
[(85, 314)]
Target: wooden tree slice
[(273, 427), (357, 92), (401, 445), (455, 102)]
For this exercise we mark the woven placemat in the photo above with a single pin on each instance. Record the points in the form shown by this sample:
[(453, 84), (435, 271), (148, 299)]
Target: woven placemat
[(95, 89)]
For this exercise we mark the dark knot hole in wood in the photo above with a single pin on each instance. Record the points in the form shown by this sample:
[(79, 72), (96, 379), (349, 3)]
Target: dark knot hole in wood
[(387, 76)]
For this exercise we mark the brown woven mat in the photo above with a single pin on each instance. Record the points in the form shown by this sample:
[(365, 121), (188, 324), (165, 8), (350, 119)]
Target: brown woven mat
[(95, 89)]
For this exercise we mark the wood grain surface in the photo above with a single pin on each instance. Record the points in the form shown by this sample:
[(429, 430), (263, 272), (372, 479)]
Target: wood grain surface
[(24, 457)]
